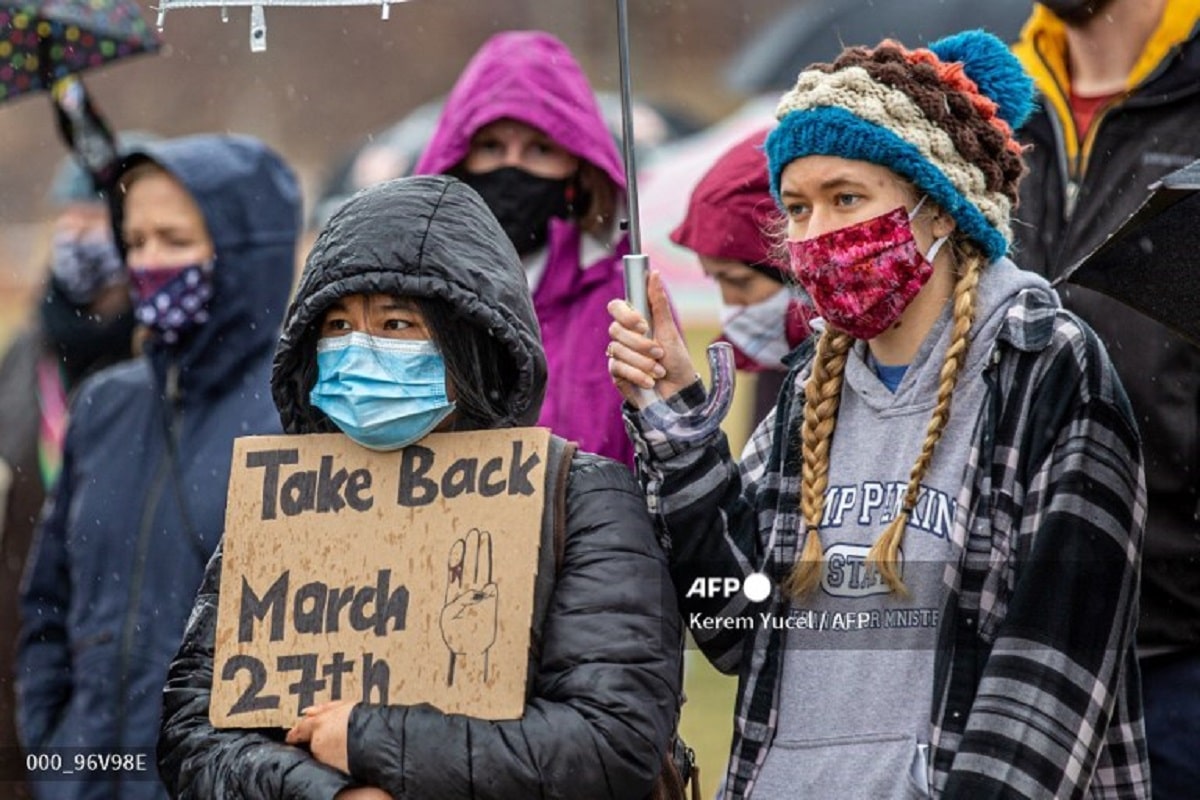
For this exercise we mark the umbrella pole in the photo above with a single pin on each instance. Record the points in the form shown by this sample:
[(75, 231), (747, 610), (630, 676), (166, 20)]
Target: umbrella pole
[(636, 264), (703, 421)]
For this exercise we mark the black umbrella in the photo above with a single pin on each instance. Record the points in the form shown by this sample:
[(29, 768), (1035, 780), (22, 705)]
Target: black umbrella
[(1152, 261), (819, 29)]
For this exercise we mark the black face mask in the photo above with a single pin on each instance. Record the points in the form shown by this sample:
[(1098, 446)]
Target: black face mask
[(524, 203), (83, 341)]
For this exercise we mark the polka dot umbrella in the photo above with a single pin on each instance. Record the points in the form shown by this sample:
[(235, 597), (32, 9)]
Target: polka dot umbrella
[(42, 41)]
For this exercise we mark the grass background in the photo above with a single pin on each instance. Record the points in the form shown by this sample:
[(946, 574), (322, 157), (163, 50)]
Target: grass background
[(707, 722)]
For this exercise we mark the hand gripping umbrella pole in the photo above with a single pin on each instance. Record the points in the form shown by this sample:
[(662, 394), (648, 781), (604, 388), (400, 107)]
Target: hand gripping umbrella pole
[(704, 420)]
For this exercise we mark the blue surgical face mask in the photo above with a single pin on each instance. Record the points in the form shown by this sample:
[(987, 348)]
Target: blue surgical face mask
[(383, 393)]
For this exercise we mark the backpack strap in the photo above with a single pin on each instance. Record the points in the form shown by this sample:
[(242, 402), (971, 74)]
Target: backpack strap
[(679, 761), (553, 541), (566, 454)]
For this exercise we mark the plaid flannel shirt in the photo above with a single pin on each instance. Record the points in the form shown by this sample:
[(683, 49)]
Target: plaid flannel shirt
[(1036, 690)]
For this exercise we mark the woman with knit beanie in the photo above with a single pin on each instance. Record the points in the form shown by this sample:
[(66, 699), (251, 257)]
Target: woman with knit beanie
[(936, 535)]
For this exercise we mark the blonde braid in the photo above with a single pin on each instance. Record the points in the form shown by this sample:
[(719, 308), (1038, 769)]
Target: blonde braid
[(822, 395), (886, 549)]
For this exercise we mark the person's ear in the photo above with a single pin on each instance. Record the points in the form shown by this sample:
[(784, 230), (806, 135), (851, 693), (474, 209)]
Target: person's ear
[(942, 224)]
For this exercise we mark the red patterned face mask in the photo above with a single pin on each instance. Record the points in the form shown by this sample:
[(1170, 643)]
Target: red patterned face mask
[(863, 276)]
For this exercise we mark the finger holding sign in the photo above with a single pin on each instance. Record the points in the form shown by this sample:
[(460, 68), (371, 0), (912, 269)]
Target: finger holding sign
[(317, 708), (362, 793), (635, 360), (323, 729)]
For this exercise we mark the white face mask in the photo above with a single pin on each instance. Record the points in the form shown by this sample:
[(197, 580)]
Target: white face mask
[(759, 330), (937, 243)]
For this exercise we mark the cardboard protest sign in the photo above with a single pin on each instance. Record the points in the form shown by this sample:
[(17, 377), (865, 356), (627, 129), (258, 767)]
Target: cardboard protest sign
[(402, 577)]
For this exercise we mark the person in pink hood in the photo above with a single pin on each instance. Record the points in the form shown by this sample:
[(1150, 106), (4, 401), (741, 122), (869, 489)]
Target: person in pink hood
[(522, 127)]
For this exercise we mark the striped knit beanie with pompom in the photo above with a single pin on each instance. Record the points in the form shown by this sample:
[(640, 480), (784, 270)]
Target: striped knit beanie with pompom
[(942, 118)]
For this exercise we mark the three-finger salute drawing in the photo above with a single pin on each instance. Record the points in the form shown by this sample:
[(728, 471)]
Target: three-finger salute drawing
[(468, 619)]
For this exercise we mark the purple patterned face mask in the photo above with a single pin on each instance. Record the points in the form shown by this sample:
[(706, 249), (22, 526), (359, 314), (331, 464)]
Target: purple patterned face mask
[(172, 300), (863, 276)]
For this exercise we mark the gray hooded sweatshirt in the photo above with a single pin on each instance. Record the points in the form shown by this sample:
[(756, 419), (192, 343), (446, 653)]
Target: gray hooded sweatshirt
[(858, 668)]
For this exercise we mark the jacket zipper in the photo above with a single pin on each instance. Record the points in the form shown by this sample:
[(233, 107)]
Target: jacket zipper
[(1070, 188), (145, 531), (1093, 133)]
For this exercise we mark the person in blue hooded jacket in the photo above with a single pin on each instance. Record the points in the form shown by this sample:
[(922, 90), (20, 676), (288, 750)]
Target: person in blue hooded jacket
[(208, 227)]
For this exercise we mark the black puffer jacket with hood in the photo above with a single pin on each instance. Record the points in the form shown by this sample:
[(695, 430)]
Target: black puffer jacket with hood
[(603, 697)]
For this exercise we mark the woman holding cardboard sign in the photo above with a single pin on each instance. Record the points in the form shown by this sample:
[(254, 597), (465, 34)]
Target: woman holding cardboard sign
[(413, 316)]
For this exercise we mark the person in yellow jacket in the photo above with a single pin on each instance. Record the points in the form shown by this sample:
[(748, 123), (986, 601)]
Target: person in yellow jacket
[(1119, 82)]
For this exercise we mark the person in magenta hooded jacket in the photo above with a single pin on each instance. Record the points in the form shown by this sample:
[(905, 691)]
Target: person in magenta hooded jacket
[(523, 128)]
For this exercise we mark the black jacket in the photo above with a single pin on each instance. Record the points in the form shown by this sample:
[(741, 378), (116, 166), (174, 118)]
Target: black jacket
[(1076, 194), (603, 697)]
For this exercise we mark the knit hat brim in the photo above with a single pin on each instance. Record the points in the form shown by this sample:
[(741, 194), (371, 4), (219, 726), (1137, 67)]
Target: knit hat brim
[(831, 131)]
